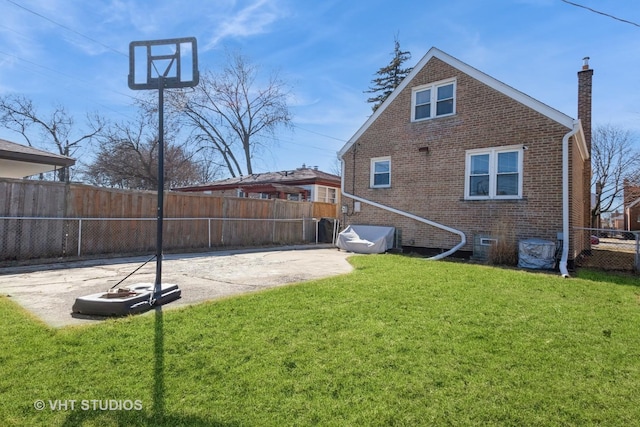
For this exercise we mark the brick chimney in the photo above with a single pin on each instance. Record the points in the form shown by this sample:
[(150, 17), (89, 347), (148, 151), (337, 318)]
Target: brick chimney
[(585, 77)]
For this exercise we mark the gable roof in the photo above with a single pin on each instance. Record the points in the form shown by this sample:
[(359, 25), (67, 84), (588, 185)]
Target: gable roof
[(299, 176), (18, 161), (635, 202), (505, 89)]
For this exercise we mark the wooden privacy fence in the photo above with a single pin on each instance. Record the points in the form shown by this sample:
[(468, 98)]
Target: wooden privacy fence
[(48, 219)]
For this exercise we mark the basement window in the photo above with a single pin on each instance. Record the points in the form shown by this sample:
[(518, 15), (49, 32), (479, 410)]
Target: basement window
[(484, 241)]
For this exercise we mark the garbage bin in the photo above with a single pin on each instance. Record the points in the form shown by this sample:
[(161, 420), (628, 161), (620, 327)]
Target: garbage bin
[(325, 230)]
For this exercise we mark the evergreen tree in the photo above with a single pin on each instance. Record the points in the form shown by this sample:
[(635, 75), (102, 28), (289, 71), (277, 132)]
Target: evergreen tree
[(389, 77)]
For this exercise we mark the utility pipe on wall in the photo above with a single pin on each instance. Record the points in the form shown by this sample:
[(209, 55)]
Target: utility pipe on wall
[(565, 198), (463, 239)]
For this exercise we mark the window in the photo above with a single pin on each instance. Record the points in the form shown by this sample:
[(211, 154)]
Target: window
[(486, 241), (494, 173), (326, 194), (434, 100), (381, 172)]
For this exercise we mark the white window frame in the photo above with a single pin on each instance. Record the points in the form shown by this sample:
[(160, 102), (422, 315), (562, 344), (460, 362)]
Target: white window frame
[(434, 99), (326, 194), (375, 160), (493, 168)]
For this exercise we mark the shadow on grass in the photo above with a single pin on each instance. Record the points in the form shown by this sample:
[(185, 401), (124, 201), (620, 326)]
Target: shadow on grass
[(158, 367), (158, 415)]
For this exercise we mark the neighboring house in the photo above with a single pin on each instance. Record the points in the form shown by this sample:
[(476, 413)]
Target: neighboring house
[(455, 159), (302, 184), (631, 206), (21, 161), (617, 221)]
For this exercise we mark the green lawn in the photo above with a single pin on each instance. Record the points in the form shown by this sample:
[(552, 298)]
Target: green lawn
[(400, 341)]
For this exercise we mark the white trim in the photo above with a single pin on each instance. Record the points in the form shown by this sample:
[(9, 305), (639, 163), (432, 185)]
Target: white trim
[(375, 160), (633, 203), (493, 173), (581, 143), (507, 90)]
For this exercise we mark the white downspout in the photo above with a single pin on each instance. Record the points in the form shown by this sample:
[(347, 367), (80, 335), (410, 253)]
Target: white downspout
[(565, 199), (463, 239)]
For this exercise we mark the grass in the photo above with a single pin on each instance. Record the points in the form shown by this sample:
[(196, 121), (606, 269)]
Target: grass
[(400, 341)]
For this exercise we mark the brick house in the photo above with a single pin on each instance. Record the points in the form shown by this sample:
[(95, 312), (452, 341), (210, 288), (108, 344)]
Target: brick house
[(631, 197), (301, 184), (454, 158)]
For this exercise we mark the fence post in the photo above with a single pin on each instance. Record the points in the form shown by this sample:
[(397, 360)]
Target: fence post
[(209, 231), (273, 221), (79, 236), (225, 207), (637, 266)]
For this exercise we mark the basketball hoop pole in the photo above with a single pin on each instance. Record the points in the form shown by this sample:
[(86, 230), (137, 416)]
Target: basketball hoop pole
[(160, 216)]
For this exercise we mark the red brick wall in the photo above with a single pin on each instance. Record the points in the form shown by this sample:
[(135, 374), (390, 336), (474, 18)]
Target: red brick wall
[(431, 185)]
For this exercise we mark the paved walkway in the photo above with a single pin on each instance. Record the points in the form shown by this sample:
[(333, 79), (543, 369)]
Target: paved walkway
[(50, 291)]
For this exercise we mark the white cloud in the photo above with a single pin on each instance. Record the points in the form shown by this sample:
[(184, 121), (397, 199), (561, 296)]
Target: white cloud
[(251, 20)]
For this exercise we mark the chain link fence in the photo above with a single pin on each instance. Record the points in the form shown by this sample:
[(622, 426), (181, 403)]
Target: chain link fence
[(28, 238), (612, 250)]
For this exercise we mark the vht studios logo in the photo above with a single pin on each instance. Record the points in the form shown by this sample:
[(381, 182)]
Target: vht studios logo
[(88, 405)]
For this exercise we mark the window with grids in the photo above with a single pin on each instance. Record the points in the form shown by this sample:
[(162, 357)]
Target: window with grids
[(380, 172), (494, 173), (434, 100), (326, 194)]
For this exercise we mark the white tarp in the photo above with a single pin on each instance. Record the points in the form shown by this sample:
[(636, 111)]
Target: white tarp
[(366, 239), (536, 254)]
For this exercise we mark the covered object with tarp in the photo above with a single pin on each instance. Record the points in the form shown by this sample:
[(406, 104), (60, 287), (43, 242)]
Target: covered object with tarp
[(536, 254), (366, 239)]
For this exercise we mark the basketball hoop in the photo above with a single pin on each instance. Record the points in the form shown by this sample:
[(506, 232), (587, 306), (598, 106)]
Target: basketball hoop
[(167, 64)]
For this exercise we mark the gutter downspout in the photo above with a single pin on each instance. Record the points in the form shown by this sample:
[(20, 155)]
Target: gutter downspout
[(463, 239), (565, 198)]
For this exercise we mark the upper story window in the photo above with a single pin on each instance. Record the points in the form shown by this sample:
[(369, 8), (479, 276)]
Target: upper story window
[(494, 173), (380, 172), (433, 100)]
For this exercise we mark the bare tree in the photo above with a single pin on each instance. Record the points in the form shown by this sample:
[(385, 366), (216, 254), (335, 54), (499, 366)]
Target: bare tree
[(20, 115), (228, 112), (613, 160), (128, 157)]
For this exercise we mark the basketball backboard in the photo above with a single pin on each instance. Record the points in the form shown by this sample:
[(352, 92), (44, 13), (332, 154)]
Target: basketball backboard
[(175, 60)]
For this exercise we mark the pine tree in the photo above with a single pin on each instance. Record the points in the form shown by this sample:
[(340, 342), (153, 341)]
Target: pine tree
[(389, 77)]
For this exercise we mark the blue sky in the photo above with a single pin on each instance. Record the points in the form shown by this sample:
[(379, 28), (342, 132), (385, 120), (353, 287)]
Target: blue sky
[(74, 53)]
